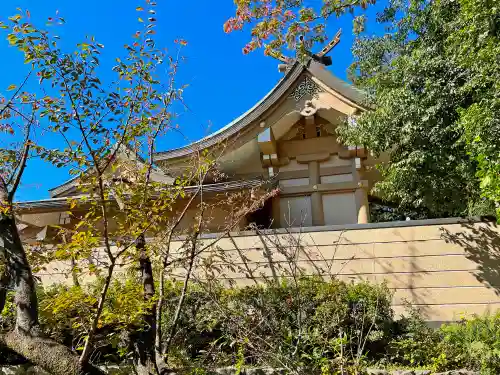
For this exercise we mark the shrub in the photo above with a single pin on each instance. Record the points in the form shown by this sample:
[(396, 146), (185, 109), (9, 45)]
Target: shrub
[(307, 323), (414, 343), (471, 343), (65, 313)]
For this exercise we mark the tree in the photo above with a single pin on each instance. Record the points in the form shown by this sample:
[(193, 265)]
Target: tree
[(292, 24), (414, 92), (421, 91), (475, 46), (125, 218)]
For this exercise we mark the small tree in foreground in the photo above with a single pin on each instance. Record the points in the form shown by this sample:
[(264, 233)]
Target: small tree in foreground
[(125, 218)]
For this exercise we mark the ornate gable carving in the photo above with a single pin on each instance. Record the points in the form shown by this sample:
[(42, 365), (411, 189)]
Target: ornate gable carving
[(305, 87)]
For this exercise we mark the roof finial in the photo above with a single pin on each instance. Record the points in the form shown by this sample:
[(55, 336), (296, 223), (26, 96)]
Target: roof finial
[(318, 57)]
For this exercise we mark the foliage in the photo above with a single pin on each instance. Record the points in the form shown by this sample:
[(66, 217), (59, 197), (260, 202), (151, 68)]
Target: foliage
[(291, 24), (471, 343), (66, 313), (313, 323), (416, 92), (475, 46), (415, 343), (288, 324)]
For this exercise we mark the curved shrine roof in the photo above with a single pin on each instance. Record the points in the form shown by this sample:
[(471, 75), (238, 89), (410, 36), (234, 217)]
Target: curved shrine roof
[(291, 76)]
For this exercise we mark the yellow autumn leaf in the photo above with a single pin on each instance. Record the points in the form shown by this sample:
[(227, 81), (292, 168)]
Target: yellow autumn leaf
[(11, 87), (140, 19), (139, 9)]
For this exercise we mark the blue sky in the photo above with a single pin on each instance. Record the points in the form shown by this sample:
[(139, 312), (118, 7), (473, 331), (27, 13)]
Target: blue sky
[(222, 81)]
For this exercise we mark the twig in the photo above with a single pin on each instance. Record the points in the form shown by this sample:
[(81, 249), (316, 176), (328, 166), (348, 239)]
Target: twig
[(22, 164)]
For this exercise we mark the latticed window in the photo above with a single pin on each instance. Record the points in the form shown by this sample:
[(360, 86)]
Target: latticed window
[(64, 218)]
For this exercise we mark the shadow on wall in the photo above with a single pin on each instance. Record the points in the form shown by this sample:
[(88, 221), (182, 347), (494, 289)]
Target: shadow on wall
[(481, 243)]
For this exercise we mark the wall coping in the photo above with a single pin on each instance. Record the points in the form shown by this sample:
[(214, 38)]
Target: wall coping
[(348, 227)]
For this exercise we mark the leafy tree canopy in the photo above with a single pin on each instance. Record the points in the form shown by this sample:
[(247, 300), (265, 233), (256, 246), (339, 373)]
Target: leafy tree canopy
[(416, 92), (433, 104)]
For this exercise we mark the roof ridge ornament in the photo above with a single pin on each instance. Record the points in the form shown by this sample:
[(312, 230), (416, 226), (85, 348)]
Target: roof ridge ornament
[(319, 57)]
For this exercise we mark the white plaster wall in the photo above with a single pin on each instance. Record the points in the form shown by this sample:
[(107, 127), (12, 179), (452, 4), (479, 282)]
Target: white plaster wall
[(339, 209), (294, 182), (336, 178), (295, 211)]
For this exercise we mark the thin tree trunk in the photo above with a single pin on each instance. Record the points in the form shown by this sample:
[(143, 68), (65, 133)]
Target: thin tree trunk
[(180, 304), (74, 274), (161, 297), (85, 356), (145, 362)]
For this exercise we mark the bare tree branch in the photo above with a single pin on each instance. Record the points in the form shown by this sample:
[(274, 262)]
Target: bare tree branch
[(16, 177)]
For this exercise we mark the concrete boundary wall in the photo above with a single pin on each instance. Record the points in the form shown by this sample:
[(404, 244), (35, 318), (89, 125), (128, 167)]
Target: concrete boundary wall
[(449, 268)]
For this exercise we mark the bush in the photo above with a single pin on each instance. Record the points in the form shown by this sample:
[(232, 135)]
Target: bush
[(471, 343), (309, 323), (305, 323), (65, 313)]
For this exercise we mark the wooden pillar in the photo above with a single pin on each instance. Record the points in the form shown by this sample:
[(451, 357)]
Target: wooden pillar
[(363, 211), (318, 217)]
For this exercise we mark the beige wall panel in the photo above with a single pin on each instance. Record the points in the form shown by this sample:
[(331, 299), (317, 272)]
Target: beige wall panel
[(389, 250), (332, 179), (422, 279), (343, 251), (294, 182), (366, 266), (445, 296), (366, 236), (402, 234), (406, 280), (404, 264), (444, 313), (248, 242), (42, 219)]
